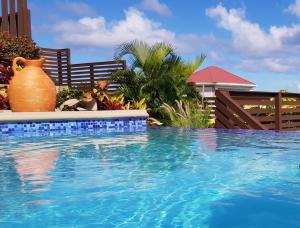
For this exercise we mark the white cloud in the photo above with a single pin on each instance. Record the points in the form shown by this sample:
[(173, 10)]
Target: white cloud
[(273, 50), (294, 8), (249, 38), (275, 65), (156, 6), (78, 8), (96, 32)]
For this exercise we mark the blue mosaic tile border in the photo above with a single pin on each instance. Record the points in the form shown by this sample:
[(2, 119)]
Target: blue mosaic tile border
[(71, 125)]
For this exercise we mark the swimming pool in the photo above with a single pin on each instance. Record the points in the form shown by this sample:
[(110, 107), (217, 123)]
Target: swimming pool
[(153, 178)]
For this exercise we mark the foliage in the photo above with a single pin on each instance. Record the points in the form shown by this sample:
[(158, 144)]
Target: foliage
[(187, 114), (288, 99), (130, 83), (67, 94), (155, 73), (4, 105), (153, 122), (5, 74), (141, 105), (12, 46), (116, 102)]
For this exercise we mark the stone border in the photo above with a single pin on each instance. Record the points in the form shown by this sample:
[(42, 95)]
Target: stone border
[(62, 116)]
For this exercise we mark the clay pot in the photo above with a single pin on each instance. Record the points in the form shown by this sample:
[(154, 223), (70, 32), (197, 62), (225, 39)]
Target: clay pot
[(31, 90)]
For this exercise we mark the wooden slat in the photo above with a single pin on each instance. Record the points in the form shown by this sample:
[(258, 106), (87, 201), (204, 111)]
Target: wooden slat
[(254, 97), (291, 110), (96, 72), (290, 95), (290, 117), (255, 102), (224, 120), (5, 25), (278, 103), (250, 93), (20, 18), (15, 19), (290, 124), (12, 18), (88, 79), (270, 126), (59, 67), (266, 118), (229, 114), (96, 67), (292, 103), (273, 117), (109, 63), (219, 125), (29, 33), (250, 120), (260, 110)]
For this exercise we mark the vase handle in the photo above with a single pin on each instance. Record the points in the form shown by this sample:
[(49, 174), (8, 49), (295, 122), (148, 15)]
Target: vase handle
[(14, 66)]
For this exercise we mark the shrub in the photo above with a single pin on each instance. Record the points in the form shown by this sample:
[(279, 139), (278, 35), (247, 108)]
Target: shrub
[(5, 74), (4, 105), (187, 114), (12, 46), (155, 73)]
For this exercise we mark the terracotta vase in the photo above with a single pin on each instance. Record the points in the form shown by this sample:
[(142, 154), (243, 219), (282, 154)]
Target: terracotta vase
[(31, 90)]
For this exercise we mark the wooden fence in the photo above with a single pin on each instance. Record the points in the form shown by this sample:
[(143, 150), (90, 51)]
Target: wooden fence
[(58, 66), (15, 18), (257, 110)]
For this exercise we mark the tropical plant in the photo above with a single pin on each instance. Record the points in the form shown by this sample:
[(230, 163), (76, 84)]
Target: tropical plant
[(5, 74), (188, 114), (155, 73), (67, 94), (108, 101)]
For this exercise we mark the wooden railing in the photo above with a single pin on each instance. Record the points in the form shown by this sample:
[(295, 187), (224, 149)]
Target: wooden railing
[(58, 66), (15, 18), (257, 110)]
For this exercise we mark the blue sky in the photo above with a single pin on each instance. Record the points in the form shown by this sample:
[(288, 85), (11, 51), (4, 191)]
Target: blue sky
[(258, 40)]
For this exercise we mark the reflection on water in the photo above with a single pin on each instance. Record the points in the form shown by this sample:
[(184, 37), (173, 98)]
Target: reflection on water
[(208, 140), (34, 167), (159, 178)]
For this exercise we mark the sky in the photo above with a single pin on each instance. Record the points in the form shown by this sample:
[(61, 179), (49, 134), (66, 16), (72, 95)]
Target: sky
[(255, 39)]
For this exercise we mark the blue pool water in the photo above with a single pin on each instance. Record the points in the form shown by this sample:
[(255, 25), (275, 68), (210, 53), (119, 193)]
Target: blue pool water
[(153, 178)]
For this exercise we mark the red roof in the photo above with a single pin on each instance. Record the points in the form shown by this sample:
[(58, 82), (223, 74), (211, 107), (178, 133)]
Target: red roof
[(214, 75)]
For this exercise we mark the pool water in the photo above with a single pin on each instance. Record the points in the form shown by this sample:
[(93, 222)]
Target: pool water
[(154, 178)]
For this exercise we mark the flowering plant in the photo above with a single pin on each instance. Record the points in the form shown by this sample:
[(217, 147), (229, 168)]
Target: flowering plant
[(11, 47), (4, 105), (5, 74)]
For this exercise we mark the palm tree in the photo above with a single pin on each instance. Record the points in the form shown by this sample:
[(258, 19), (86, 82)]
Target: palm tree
[(155, 73)]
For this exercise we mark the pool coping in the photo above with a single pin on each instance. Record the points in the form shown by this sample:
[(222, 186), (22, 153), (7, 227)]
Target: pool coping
[(70, 115)]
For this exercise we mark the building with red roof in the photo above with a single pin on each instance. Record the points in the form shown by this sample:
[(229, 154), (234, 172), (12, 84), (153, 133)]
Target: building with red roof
[(212, 78)]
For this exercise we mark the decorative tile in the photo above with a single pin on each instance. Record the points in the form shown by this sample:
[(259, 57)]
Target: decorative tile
[(48, 126)]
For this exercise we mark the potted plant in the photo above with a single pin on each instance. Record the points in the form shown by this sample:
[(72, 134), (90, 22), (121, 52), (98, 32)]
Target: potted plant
[(30, 89)]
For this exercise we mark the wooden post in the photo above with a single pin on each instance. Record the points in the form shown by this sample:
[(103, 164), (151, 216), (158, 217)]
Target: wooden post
[(29, 24), (12, 18), (92, 75), (5, 26), (124, 65), (278, 112), (20, 18), (59, 68), (69, 74)]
